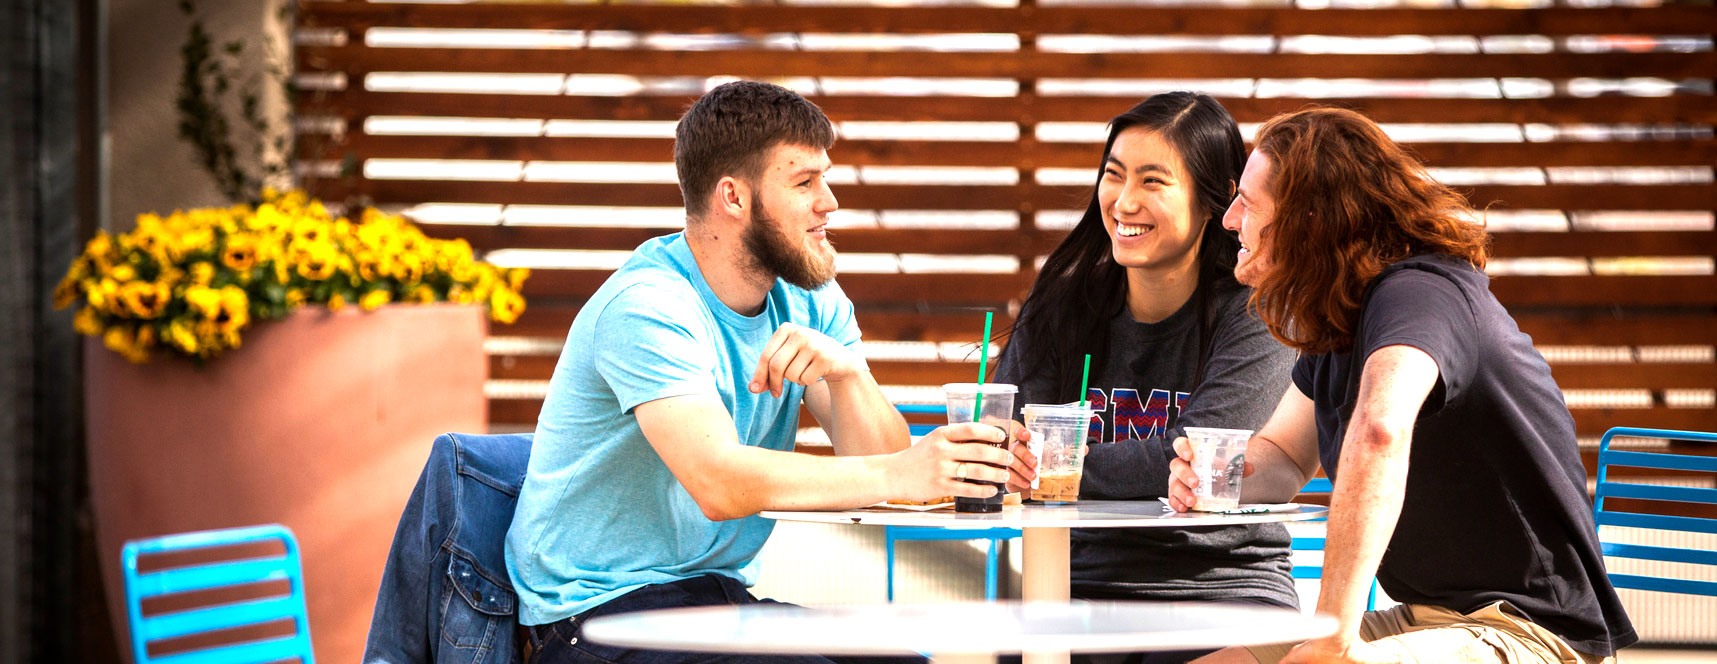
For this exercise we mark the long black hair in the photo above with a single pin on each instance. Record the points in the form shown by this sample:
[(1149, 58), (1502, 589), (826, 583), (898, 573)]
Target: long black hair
[(1081, 287)]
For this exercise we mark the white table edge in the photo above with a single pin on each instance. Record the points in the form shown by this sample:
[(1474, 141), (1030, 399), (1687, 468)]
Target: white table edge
[(613, 630)]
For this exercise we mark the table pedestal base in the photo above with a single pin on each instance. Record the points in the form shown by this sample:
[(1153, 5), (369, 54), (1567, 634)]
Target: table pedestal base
[(1045, 577)]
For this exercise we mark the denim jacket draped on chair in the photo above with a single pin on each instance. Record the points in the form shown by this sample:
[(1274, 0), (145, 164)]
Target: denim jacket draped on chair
[(445, 596)]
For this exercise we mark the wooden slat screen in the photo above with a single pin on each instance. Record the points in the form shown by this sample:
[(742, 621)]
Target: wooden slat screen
[(1587, 132)]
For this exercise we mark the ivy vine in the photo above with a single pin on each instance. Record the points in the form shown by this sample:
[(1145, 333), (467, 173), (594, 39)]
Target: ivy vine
[(243, 152)]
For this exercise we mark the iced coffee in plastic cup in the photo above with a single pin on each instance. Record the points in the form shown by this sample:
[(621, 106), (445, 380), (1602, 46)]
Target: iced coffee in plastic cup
[(1218, 458), (1058, 439), (996, 409)]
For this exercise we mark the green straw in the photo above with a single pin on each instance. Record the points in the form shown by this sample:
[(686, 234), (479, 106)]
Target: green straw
[(983, 361), (1085, 380)]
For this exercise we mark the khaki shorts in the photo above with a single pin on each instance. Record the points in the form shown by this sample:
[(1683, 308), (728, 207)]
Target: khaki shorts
[(1423, 633)]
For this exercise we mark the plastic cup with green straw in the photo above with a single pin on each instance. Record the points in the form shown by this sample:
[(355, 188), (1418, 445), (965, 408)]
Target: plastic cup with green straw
[(1085, 381), (983, 362)]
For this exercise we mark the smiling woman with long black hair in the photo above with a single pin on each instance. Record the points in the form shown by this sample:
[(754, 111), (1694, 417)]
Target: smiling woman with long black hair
[(1145, 284)]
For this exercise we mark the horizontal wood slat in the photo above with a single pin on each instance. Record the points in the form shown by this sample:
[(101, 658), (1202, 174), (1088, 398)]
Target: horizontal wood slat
[(1569, 153), (552, 320), (514, 411), (993, 290), (1604, 243), (862, 240), (867, 197), (886, 373), (549, 319), (356, 59), (1587, 421), (1023, 197), (1024, 154), (1364, 22), (965, 326), (1600, 291), (1200, 20), (1034, 243), (1595, 421), (1606, 329), (754, 20), (356, 103), (1652, 376)]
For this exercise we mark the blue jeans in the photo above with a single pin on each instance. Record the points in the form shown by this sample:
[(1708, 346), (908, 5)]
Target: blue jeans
[(562, 642)]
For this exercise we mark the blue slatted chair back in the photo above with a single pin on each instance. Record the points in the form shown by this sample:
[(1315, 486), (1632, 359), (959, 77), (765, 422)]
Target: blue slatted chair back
[(919, 429), (212, 576), (1322, 485), (1615, 514), (892, 534)]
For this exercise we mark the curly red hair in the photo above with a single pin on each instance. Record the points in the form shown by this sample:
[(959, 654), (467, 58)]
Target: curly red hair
[(1348, 202)]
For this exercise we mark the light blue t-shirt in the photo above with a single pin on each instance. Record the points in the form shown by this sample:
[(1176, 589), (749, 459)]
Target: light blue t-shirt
[(600, 514)]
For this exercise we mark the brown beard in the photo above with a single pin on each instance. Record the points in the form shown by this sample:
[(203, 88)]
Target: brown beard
[(773, 252)]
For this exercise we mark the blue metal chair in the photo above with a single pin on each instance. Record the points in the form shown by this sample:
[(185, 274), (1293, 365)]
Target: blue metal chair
[(1322, 485), (1610, 513), (208, 576), (892, 534)]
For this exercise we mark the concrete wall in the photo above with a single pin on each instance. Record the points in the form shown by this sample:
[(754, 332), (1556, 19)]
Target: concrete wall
[(152, 168)]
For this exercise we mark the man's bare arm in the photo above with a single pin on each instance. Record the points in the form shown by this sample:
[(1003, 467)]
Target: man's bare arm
[(696, 438), (1371, 478)]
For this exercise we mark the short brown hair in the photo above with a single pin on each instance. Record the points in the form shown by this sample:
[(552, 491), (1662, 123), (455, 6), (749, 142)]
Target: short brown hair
[(730, 130), (1349, 202)]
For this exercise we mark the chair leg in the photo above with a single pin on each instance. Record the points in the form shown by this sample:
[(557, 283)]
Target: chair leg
[(888, 543), (990, 573)]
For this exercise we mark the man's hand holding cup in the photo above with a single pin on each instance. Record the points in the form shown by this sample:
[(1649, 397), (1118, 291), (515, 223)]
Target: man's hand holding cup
[(939, 464)]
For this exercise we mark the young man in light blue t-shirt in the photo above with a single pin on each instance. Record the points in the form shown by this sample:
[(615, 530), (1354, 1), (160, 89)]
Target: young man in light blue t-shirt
[(670, 419)]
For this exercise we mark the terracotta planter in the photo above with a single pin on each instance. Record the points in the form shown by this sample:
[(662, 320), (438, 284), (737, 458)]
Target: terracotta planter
[(321, 421)]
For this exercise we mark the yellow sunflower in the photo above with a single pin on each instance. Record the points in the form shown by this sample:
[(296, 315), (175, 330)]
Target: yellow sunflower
[(181, 333), (374, 299), (408, 269), (144, 299), (205, 302), (505, 305), (309, 231), (131, 342), (190, 240), (66, 292), (372, 266), (202, 273), (234, 312), (240, 253), (269, 219), (317, 262), (516, 277), (87, 322), (100, 252), (103, 295)]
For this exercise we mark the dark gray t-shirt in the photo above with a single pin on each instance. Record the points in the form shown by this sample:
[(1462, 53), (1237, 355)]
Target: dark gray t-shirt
[(1495, 504), (1146, 396)]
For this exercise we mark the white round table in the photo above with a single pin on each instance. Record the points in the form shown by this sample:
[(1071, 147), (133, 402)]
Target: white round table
[(1046, 531), (957, 633)]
